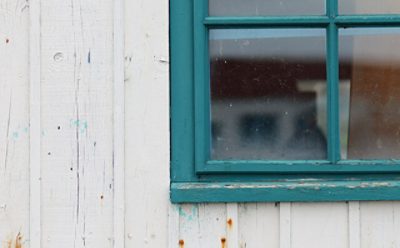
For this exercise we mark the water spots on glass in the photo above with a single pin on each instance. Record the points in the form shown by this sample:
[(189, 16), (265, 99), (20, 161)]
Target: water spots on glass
[(268, 94)]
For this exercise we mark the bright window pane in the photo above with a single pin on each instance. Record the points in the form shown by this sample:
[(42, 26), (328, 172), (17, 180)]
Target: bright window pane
[(268, 94), (370, 76), (369, 6), (263, 7)]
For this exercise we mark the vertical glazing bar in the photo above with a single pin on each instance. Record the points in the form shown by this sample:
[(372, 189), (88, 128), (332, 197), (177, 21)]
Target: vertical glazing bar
[(333, 83), (201, 87)]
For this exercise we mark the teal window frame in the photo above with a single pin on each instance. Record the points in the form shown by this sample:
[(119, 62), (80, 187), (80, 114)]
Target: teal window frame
[(196, 178)]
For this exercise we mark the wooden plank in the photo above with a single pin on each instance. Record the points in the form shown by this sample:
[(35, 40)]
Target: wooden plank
[(77, 123), (212, 220), (232, 225), (14, 123), (354, 225), (174, 239), (189, 227), (147, 123), (259, 225), (35, 126), (119, 125), (380, 224), (285, 225), (319, 225)]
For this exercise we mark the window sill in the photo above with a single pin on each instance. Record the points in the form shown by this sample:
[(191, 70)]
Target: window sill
[(297, 190)]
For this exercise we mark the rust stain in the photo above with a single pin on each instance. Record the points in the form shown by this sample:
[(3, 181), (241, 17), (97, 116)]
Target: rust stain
[(18, 240), (223, 242), (230, 223), (17, 243), (181, 243)]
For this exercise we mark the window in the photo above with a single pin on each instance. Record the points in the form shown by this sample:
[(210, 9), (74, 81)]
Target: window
[(285, 100)]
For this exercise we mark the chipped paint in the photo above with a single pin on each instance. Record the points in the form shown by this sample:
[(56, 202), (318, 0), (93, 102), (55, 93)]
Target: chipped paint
[(82, 125), (188, 215)]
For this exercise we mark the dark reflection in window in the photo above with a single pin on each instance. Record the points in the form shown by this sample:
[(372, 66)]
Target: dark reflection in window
[(259, 129), (371, 115), (268, 93)]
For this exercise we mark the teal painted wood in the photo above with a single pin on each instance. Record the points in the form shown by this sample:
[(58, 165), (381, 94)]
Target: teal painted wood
[(367, 20), (201, 85), (306, 191), (182, 91), (190, 122), (333, 84), (303, 167), (253, 22)]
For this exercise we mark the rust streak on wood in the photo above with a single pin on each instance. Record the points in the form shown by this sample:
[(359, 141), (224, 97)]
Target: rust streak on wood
[(17, 243), (230, 223), (223, 243)]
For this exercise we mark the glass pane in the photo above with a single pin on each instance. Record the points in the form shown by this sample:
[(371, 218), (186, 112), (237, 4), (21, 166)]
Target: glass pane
[(263, 7), (369, 6), (268, 94), (370, 83)]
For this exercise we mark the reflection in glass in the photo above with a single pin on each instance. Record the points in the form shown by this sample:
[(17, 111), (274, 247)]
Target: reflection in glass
[(268, 94), (263, 7), (369, 7), (370, 66)]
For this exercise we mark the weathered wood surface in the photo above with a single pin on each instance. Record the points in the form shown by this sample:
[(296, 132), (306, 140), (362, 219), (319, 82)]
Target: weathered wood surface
[(14, 123), (77, 130)]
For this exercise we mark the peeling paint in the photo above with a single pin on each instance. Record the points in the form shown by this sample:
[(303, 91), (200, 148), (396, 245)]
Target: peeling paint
[(190, 216), (82, 125)]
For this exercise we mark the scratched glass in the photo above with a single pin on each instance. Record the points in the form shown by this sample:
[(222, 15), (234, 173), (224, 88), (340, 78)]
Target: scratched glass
[(369, 71), (369, 7), (264, 8), (268, 94)]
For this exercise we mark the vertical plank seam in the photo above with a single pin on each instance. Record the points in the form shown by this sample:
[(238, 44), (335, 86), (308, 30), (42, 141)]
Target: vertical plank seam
[(232, 230), (354, 225), (173, 226), (34, 124), (285, 225), (119, 125)]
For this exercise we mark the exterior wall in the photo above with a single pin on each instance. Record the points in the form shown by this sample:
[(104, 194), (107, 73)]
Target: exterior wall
[(62, 148)]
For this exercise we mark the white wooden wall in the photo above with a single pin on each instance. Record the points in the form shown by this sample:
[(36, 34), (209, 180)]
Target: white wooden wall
[(77, 170)]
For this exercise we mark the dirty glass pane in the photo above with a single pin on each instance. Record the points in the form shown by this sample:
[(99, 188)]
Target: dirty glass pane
[(268, 94), (370, 75), (369, 7), (263, 7)]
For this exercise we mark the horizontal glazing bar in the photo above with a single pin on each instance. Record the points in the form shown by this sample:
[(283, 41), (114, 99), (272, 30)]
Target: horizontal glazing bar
[(367, 20), (314, 166), (292, 21)]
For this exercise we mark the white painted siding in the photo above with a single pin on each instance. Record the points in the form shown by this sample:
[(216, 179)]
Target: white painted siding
[(62, 118)]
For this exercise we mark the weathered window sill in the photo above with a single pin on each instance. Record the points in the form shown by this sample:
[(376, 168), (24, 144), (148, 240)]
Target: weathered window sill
[(297, 190)]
